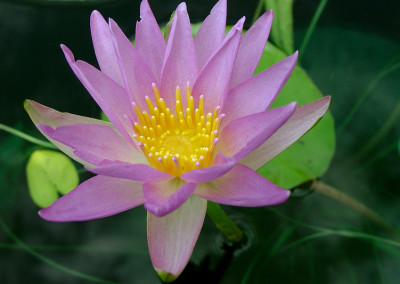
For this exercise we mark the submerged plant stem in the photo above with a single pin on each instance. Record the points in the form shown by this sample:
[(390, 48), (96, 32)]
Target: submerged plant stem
[(233, 233), (356, 205), (27, 137), (49, 261), (380, 134), (257, 13), (368, 90), (311, 27)]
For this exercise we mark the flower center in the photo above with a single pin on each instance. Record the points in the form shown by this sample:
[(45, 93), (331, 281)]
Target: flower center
[(180, 142)]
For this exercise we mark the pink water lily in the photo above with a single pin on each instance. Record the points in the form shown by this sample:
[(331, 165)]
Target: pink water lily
[(188, 123)]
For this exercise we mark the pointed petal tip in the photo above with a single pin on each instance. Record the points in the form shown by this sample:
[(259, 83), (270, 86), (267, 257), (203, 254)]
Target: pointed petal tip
[(144, 7), (182, 7), (269, 13), (165, 276), (95, 13), (27, 103), (43, 214), (68, 54)]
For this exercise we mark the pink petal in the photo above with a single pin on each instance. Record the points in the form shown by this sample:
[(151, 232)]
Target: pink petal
[(95, 198), (137, 76), (243, 135), (250, 49), (163, 198), (136, 172), (213, 80), (111, 97), (99, 140), (104, 48), (149, 40), (220, 167), (257, 93), (303, 119), (242, 186), (211, 33), (172, 238), (41, 114), (180, 62)]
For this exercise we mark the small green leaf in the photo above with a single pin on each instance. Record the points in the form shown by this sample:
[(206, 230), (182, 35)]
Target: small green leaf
[(310, 156), (48, 174), (282, 26)]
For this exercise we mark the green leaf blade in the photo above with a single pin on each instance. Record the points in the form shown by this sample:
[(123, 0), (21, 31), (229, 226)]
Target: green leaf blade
[(48, 174)]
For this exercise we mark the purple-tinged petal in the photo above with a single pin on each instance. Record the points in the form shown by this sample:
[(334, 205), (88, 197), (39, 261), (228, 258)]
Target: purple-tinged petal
[(149, 40), (180, 62), (41, 114), (250, 49), (99, 140), (213, 81), (171, 238), (95, 198), (242, 186), (258, 93), (220, 167), (302, 120), (163, 198), (243, 135), (103, 47), (136, 172), (111, 97), (137, 76), (211, 33)]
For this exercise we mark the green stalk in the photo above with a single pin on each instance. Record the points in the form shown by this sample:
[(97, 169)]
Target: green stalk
[(49, 261), (27, 137), (232, 232), (257, 13), (311, 27), (364, 95), (356, 205)]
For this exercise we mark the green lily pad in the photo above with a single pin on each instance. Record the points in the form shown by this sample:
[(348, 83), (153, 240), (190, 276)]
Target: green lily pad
[(310, 156), (48, 174)]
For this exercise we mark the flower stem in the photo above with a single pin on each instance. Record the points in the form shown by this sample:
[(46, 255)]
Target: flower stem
[(27, 137), (233, 233), (311, 27), (356, 205), (258, 11), (49, 261)]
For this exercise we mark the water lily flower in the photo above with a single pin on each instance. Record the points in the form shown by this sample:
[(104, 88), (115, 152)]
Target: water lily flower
[(188, 123)]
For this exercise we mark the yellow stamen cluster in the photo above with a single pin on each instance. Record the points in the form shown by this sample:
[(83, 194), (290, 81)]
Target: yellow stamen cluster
[(177, 142)]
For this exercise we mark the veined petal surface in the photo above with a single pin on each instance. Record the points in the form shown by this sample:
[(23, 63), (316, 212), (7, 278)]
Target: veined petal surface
[(242, 186), (111, 97), (180, 62), (103, 47), (259, 92), (302, 120), (250, 50), (149, 40), (97, 197), (243, 135), (211, 33), (172, 238), (99, 140), (41, 114), (136, 172), (163, 198)]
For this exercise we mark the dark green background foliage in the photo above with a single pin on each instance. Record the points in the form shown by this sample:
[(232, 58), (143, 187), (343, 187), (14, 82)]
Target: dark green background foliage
[(352, 56)]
